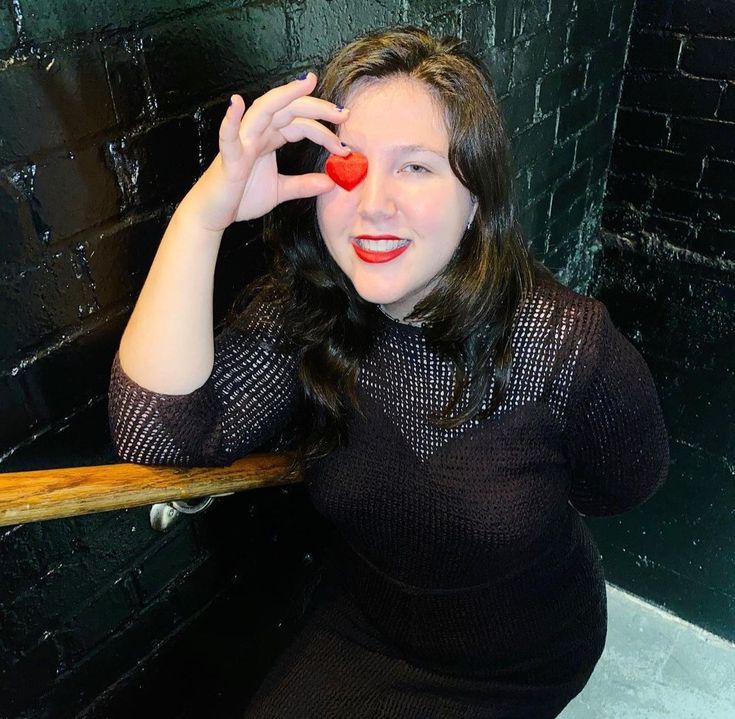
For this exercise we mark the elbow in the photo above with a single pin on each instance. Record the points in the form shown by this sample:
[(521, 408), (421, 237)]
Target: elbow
[(134, 453), (138, 447), (622, 492)]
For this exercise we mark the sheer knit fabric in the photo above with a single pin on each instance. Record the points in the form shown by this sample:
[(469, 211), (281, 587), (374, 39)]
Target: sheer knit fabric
[(463, 582)]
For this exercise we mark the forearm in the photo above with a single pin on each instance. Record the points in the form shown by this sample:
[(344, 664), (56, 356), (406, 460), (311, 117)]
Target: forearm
[(168, 344)]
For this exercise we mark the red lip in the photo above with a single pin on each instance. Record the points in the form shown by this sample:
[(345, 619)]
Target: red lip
[(376, 257), (377, 237)]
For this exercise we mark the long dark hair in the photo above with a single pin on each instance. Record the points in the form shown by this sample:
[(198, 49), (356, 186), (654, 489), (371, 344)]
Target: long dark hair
[(469, 314)]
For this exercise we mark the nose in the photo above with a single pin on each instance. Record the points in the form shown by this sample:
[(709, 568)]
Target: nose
[(377, 200)]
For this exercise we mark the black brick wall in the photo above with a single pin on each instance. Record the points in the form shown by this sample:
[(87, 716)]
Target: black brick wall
[(109, 113), (674, 157), (667, 278)]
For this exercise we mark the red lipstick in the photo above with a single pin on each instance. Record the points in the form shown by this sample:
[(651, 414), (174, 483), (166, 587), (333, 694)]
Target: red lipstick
[(377, 257)]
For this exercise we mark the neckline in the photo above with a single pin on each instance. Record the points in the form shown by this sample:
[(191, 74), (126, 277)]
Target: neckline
[(398, 326)]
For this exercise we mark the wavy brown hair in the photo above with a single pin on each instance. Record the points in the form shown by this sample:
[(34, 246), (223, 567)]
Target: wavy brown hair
[(468, 315)]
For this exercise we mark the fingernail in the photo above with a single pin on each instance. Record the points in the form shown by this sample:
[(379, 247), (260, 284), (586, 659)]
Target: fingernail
[(340, 107), (302, 75), (344, 144), (230, 101)]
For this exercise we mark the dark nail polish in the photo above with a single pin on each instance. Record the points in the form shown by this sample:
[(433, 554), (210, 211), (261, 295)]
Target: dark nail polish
[(302, 75), (344, 144), (340, 107), (230, 101)]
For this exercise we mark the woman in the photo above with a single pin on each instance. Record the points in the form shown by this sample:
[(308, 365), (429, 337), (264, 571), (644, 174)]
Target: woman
[(453, 407)]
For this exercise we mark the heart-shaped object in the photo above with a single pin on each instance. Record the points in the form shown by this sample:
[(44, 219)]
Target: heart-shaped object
[(347, 171)]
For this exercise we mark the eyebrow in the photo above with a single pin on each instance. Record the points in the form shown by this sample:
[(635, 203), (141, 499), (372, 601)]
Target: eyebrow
[(406, 149)]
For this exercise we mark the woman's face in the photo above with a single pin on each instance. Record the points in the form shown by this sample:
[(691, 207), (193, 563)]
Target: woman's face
[(409, 193)]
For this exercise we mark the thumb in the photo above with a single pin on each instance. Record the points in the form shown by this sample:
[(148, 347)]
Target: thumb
[(297, 186)]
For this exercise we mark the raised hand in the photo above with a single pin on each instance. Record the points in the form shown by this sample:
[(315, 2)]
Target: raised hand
[(243, 181)]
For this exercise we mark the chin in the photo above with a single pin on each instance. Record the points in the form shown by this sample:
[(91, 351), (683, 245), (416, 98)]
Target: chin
[(377, 295)]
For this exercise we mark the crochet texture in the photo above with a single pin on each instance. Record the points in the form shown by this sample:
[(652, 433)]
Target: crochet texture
[(464, 582)]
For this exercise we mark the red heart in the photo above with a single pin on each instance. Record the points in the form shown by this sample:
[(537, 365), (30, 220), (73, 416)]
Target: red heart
[(347, 171)]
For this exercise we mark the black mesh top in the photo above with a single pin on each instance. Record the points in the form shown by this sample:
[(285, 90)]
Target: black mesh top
[(460, 551)]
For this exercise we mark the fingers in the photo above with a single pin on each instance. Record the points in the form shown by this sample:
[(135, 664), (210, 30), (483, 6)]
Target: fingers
[(311, 107), (284, 114), (276, 99), (229, 137), (301, 129), (280, 96)]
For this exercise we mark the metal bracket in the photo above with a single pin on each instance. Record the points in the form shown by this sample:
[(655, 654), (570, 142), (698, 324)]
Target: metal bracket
[(164, 514)]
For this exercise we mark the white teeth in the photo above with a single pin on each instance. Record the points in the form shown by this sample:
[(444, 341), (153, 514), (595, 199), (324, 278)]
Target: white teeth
[(381, 245)]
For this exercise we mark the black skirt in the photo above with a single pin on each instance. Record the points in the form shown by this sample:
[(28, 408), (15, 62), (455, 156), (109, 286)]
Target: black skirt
[(341, 665)]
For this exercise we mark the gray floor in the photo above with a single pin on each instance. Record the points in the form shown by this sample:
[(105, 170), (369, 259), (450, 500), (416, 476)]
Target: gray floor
[(656, 666)]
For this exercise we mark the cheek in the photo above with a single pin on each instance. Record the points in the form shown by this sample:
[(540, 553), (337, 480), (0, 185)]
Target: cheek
[(331, 212), (431, 207), (332, 219)]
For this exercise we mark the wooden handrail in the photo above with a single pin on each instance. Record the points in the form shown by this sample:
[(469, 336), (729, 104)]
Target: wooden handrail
[(69, 491)]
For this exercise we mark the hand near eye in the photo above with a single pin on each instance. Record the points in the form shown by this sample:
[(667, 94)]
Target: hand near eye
[(243, 181)]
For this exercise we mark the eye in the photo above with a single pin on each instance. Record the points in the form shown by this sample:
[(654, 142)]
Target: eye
[(414, 168)]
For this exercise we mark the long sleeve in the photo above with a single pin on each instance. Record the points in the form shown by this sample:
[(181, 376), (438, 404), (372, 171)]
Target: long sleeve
[(248, 399), (616, 439)]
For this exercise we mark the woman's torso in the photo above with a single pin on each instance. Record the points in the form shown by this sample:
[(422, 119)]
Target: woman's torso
[(460, 545)]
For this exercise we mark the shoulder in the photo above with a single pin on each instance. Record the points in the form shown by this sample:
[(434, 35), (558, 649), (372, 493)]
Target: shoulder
[(567, 317), (597, 354)]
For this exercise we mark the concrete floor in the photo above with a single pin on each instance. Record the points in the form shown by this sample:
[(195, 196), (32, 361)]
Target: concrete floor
[(656, 666)]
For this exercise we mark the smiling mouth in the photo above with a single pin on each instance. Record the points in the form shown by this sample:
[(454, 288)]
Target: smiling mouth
[(381, 244), (382, 250)]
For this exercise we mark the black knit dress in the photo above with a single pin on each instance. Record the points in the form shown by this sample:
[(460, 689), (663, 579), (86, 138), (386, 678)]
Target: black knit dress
[(463, 582)]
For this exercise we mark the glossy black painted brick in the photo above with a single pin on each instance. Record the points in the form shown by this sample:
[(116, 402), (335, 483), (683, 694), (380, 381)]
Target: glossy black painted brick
[(576, 115), (40, 300), (18, 221), (642, 128), (709, 17), (74, 191), (653, 50), (534, 141), (8, 36), (703, 137), (118, 258), (570, 189), (196, 59), (52, 398), (726, 110), (559, 86), (178, 553), (53, 101), (594, 139), (664, 164), (556, 165), (671, 93), (591, 27)]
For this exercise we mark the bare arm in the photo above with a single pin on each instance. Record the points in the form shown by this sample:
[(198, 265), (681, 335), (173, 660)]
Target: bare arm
[(168, 344)]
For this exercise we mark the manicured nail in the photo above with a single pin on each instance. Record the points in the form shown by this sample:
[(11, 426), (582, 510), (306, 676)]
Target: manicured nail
[(344, 144), (340, 107), (302, 75), (230, 101)]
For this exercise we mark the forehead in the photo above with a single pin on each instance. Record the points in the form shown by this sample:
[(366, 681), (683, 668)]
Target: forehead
[(394, 111)]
